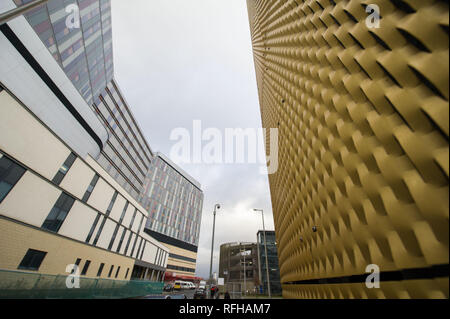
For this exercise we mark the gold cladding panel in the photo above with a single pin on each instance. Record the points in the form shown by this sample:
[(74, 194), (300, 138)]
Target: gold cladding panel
[(363, 121)]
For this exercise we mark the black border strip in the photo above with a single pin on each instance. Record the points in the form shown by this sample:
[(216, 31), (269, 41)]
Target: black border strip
[(19, 46), (171, 241), (435, 271)]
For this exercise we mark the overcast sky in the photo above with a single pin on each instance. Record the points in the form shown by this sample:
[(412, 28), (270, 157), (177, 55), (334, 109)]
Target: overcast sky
[(178, 61)]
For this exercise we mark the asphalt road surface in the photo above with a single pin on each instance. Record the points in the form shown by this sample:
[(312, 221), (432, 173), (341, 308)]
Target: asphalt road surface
[(189, 293), (176, 294)]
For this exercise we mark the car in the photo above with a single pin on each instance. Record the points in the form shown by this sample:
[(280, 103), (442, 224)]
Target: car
[(185, 285), (177, 285), (200, 293)]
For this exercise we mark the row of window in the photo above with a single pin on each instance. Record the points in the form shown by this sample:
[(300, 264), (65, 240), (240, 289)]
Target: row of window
[(120, 129), (11, 172), (33, 260), (182, 258), (144, 150), (107, 164), (118, 138), (181, 268), (86, 65)]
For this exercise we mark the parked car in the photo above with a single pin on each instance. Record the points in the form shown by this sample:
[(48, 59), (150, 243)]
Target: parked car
[(177, 285), (200, 293), (183, 285)]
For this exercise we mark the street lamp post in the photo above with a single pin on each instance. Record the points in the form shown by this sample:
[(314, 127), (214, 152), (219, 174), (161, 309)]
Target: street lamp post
[(259, 266), (265, 249), (217, 206)]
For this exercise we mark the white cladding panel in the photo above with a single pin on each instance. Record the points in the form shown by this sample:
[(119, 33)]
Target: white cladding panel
[(118, 207), (101, 196), (78, 222), (106, 235), (27, 140), (19, 77), (78, 178), (149, 253), (129, 215), (31, 200)]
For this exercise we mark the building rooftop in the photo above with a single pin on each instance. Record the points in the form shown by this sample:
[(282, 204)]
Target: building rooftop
[(179, 170)]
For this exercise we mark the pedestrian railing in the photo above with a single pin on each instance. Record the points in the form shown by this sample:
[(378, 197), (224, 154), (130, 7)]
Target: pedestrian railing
[(25, 285)]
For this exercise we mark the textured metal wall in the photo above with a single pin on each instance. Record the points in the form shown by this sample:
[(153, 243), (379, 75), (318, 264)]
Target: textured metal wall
[(363, 120)]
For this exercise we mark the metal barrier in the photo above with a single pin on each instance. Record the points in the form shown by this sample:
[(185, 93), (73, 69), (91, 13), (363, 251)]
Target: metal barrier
[(24, 285)]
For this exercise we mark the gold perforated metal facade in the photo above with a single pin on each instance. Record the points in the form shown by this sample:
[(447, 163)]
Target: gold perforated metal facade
[(363, 119)]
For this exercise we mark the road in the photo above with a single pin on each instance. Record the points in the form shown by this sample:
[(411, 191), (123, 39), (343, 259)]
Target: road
[(188, 293), (176, 294)]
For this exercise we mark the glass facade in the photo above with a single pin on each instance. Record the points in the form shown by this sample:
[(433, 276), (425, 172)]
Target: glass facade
[(126, 156), (85, 52), (173, 202), (272, 259)]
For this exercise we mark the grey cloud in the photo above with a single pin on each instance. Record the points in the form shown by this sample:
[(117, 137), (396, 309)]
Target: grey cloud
[(180, 60)]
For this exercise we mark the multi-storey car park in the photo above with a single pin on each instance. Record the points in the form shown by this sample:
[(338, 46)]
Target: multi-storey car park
[(363, 124)]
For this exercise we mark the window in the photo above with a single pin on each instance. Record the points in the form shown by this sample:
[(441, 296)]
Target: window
[(121, 240), (117, 272), (185, 269), (77, 263), (90, 188), (134, 245), (128, 243), (32, 260), (10, 173), (132, 219), (64, 169), (139, 247), (108, 211), (182, 258), (58, 213), (91, 232), (142, 251), (100, 269), (113, 238), (126, 274), (110, 271), (123, 212), (86, 267)]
